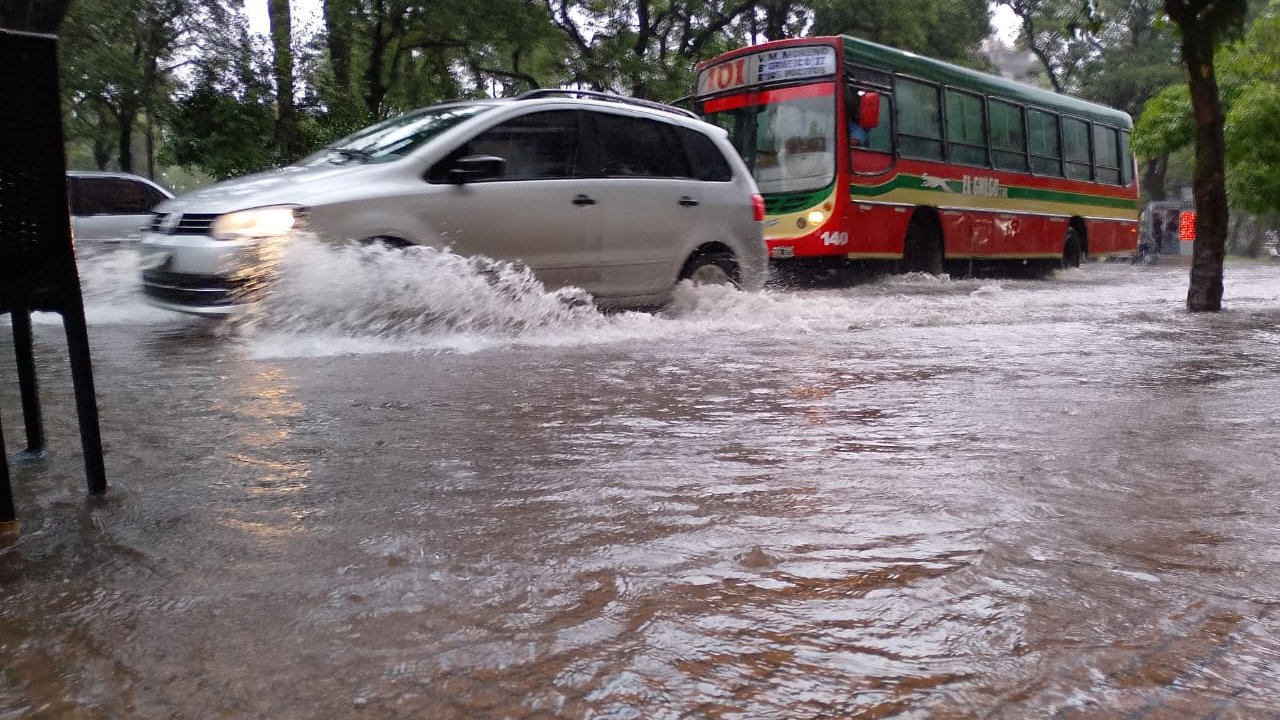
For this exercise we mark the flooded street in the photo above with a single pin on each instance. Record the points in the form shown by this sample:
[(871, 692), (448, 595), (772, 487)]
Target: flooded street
[(404, 489)]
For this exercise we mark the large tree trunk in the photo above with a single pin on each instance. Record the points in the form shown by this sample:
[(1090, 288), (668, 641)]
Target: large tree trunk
[(337, 25), (374, 90), (1201, 23), (282, 46), (1208, 181)]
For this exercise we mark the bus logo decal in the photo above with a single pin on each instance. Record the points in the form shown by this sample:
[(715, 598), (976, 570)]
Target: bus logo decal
[(983, 187), (936, 183)]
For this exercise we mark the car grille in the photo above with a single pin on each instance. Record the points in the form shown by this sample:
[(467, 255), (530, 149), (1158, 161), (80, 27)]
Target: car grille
[(194, 290), (187, 224)]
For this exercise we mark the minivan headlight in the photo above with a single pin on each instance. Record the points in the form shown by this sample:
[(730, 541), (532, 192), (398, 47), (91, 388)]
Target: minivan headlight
[(255, 223)]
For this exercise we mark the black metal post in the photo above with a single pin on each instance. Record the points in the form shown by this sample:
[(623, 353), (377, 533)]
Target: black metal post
[(7, 513), (86, 402), (24, 347)]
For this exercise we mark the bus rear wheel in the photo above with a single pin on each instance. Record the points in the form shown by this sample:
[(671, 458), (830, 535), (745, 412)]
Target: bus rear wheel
[(922, 248), (1072, 250)]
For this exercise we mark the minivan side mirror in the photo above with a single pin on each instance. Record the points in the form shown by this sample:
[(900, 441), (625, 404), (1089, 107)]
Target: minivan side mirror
[(869, 110), (476, 167)]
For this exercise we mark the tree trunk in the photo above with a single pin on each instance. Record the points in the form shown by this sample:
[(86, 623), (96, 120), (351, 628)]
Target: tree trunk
[(775, 19), (1154, 172), (101, 154), (126, 118), (101, 146), (151, 144), (374, 90), (337, 26), (1205, 292), (282, 46)]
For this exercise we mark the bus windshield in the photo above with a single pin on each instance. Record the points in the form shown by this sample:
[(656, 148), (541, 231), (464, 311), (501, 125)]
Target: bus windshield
[(788, 142)]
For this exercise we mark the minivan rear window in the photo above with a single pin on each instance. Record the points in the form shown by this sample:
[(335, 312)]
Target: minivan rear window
[(707, 161), (394, 138)]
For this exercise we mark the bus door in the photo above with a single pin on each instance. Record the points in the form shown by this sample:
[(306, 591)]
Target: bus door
[(868, 113)]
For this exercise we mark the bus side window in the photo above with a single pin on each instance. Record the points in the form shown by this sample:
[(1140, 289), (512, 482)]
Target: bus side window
[(1126, 160), (919, 119), (1008, 136), (1106, 156), (1075, 148)]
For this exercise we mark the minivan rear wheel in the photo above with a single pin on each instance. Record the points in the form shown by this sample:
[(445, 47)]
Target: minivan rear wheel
[(716, 268)]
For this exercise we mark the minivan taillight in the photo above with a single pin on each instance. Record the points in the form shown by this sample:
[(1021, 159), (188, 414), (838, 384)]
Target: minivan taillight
[(757, 207)]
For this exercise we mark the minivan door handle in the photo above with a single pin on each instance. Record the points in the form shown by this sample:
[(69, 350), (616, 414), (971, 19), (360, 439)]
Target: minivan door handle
[(581, 199), (688, 201)]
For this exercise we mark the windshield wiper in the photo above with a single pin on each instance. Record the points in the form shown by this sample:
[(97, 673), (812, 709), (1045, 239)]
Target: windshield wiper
[(351, 154)]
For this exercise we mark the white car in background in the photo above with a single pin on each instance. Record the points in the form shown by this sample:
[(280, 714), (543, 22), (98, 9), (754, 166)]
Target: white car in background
[(111, 205), (620, 197)]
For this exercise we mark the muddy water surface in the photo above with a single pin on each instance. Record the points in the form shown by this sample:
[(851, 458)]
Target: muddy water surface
[(418, 490)]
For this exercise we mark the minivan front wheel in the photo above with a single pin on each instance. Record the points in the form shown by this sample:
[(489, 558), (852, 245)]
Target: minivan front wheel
[(387, 242), (715, 268)]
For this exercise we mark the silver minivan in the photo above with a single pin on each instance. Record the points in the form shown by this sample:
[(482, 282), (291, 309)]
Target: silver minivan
[(620, 197)]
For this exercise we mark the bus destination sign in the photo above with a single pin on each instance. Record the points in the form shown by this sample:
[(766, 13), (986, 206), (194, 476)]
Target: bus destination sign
[(781, 65)]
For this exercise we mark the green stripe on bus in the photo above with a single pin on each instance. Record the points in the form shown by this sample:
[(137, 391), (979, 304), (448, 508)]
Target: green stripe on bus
[(917, 182), (1062, 196), (783, 203)]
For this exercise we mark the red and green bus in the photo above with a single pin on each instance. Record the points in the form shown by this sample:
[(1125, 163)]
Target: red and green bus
[(864, 152)]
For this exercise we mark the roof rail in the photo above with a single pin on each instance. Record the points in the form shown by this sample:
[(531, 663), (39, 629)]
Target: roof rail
[(609, 97)]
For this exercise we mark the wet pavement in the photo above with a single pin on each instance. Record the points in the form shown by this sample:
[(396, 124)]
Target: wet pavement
[(404, 489)]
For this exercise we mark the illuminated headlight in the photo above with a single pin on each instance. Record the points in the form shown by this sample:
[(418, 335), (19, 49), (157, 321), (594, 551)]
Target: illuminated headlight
[(255, 223), (816, 217)]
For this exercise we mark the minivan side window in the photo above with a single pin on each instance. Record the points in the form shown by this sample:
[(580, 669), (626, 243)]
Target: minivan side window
[(638, 147), (537, 146), (706, 161)]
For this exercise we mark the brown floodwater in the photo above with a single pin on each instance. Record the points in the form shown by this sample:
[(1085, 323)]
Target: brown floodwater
[(430, 494)]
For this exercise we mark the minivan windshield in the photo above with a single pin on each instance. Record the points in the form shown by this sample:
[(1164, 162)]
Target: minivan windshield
[(394, 138)]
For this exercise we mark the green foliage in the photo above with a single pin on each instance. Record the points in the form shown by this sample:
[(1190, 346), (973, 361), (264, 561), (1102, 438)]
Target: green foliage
[(188, 68), (1253, 148), (225, 124), (1117, 52), (951, 30), (222, 135), (1248, 75), (116, 58), (1166, 125)]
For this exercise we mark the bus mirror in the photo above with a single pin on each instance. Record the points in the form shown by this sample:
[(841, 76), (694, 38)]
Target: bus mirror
[(869, 110)]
